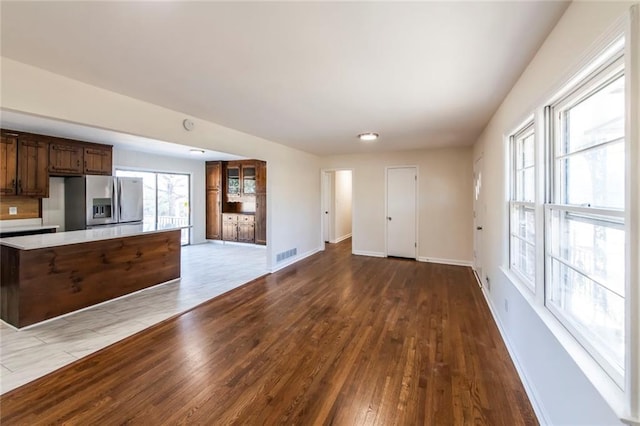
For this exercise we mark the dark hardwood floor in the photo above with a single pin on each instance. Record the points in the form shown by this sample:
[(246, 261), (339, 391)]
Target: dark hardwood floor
[(335, 339)]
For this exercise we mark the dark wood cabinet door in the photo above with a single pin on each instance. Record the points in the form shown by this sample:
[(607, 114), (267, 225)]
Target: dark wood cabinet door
[(97, 161), (229, 231), (233, 182), (261, 219), (8, 164), (261, 177), (214, 215), (248, 178), (33, 167), (66, 159), (246, 232), (214, 175)]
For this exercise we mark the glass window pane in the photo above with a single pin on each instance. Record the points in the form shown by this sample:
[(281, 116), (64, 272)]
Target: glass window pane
[(523, 223), (590, 245), (594, 178), (597, 312), (525, 185), (597, 119), (526, 146), (523, 258), (173, 201)]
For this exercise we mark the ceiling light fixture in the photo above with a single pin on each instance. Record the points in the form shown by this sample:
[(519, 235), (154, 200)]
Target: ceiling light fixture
[(196, 151), (368, 137)]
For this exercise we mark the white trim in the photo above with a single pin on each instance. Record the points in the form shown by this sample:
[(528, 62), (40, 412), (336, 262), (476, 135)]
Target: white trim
[(530, 390), (344, 237), (454, 262), (632, 218), (295, 259), (368, 253)]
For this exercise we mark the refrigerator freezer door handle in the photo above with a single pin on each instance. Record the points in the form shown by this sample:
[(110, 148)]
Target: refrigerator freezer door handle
[(117, 197)]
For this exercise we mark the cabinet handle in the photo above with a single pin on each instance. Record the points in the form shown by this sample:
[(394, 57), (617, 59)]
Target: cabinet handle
[(13, 184), (78, 163), (19, 186)]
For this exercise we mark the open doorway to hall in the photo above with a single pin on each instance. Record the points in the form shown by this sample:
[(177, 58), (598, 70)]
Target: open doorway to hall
[(337, 205)]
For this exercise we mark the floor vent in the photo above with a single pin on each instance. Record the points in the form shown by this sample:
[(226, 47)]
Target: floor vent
[(286, 254)]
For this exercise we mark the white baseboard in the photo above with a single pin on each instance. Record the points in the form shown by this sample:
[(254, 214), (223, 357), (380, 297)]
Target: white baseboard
[(368, 253), (337, 240), (454, 262), (294, 259), (543, 419)]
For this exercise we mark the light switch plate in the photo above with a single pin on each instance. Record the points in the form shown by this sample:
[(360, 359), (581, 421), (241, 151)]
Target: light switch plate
[(13, 210)]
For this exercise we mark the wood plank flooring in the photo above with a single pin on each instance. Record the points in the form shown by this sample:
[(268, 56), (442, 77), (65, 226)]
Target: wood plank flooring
[(334, 339)]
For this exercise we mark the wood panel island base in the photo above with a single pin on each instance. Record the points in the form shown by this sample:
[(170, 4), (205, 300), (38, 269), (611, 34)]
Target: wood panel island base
[(43, 283)]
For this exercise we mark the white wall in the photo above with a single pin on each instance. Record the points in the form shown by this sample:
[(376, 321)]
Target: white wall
[(560, 389), (293, 183), (445, 204), (53, 207), (342, 204), (133, 160)]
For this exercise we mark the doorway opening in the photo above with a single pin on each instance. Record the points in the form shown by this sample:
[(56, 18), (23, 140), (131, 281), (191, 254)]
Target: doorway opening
[(337, 205)]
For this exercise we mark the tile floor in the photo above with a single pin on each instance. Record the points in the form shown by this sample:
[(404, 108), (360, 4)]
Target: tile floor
[(208, 270)]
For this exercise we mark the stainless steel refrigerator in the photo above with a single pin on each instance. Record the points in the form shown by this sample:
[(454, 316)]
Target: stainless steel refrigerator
[(91, 201)]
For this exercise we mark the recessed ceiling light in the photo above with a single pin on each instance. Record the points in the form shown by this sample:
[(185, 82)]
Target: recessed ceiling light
[(368, 137), (196, 151)]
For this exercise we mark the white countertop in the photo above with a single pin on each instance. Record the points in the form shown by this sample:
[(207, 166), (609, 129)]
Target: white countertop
[(27, 228), (31, 242)]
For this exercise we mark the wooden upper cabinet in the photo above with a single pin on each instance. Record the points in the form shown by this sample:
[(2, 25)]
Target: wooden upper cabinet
[(261, 177), (233, 180), (249, 178), (66, 158), (214, 174), (33, 166), (8, 164), (98, 160)]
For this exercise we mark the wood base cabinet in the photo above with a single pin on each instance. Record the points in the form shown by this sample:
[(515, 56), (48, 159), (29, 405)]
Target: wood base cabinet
[(246, 229), (238, 227), (230, 227), (40, 284)]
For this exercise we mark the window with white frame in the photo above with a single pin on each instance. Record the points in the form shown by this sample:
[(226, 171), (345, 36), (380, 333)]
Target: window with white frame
[(522, 247), (585, 218)]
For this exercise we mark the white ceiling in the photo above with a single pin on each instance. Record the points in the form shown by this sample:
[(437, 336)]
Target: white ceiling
[(307, 75), (45, 126)]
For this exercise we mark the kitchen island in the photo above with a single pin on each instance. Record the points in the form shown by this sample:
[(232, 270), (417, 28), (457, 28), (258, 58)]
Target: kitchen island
[(44, 276)]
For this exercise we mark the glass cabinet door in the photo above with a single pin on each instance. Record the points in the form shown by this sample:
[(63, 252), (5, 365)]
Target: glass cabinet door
[(233, 181), (249, 180)]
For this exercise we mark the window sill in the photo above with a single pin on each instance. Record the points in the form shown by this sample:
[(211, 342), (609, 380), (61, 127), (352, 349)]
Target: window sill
[(604, 385)]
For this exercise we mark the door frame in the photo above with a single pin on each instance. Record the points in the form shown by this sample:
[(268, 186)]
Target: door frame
[(323, 171), (386, 204)]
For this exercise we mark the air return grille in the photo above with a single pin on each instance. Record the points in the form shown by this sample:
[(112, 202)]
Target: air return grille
[(286, 254)]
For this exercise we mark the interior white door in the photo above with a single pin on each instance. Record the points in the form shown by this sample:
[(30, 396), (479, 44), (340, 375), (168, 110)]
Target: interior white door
[(327, 192), (401, 212), (478, 217)]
